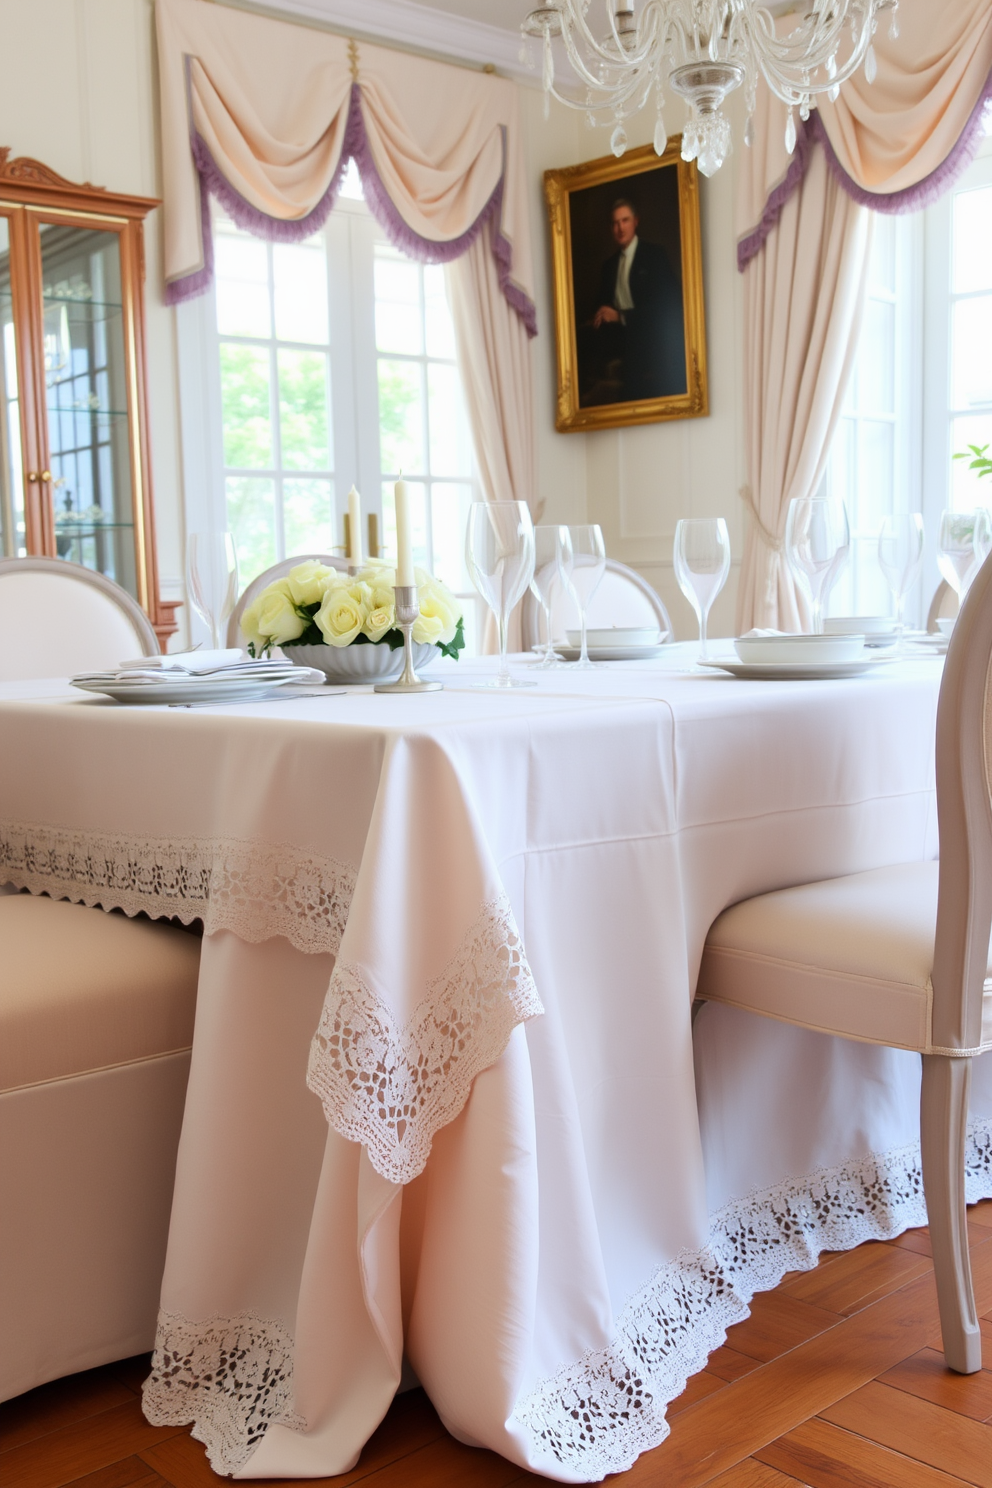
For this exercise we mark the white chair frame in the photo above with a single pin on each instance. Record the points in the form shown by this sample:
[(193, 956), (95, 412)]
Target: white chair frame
[(77, 573), (531, 613), (268, 576)]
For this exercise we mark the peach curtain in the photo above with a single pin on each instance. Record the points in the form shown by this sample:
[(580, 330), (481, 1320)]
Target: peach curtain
[(803, 240), (266, 114)]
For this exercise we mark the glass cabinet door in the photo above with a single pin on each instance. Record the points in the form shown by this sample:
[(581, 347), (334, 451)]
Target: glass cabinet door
[(13, 537), (86, 399)]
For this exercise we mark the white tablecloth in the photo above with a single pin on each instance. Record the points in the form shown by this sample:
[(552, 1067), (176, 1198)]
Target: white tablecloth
[(473, 922)]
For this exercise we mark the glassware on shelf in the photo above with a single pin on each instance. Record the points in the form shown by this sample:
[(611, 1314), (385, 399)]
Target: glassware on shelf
[(900, 557), (702, 562), (964, 540), (212, 579), (588, 568), (499, 552), (817, 545), (553, 564)]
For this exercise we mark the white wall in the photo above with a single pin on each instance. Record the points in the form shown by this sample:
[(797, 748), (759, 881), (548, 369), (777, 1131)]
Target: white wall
[(78, 90)]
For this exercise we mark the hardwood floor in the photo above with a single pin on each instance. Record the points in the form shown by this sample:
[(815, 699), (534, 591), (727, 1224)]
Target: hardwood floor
[(834, 1381)]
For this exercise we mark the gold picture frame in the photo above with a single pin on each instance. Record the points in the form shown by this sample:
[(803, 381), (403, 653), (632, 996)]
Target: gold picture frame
[(631, 375)]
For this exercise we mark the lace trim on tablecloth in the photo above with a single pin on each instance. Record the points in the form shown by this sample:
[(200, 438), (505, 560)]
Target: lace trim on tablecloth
[(230, 1377), (392, 1088), (596, 1416), (257, 890)]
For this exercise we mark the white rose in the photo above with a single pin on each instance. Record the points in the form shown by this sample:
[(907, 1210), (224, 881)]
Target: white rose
[(308, 581), (381, 617), (250, 630), (377, 573), (343, 611), (276, 616), (440, 613)]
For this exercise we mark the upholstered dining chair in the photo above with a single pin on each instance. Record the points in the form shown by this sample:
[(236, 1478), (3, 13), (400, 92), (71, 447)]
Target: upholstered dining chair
[(623, 598), (57, 618), (900, 956), (96, 1025), (943, 606), (268, 576)]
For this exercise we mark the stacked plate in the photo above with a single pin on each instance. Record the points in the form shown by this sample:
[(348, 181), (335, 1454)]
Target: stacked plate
[(879, 631), (797, 656), (195, 677), (618, 643)]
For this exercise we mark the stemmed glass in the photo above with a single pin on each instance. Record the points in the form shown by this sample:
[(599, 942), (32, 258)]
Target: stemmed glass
[(499, 551), (212, 579), (817, 545), (552, 565), (900, 556), (588, 568), (963, 544), (702, 563)]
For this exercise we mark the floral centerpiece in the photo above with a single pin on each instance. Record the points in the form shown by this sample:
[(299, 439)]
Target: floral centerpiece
[(316, 614)]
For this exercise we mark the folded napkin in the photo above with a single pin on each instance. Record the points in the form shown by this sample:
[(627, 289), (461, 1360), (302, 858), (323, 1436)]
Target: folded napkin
[(185, 661), (243, 671)]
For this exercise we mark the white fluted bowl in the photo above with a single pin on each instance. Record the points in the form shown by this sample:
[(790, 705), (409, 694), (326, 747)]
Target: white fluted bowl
[(358, 663)]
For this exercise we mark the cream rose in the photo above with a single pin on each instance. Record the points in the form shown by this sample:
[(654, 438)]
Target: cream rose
[(380, 618), (276, 618), (250, 630), (440, 612), (343, 612), (307, 582)]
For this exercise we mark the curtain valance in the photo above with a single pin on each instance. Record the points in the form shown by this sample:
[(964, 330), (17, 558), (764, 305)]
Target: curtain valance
[(265, 114), (893, 144)]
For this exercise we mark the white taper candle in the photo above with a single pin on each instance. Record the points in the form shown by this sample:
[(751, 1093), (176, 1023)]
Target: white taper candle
[(354, 527), (404, 536)]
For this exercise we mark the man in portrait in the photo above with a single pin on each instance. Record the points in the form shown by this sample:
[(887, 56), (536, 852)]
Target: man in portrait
[(639, 320)]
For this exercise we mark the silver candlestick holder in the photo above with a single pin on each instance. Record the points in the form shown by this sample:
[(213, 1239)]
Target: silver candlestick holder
[(407, 611)]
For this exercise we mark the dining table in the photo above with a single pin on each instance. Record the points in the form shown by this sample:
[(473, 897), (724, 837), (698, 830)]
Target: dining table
[(449, 1120)]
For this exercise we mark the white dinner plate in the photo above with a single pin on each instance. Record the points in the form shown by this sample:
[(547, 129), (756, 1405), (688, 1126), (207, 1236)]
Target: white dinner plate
[(612, 653), (798, 671), (186, 691)]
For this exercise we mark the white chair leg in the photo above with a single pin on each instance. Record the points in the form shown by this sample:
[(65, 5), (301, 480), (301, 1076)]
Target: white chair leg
[(943, 1123)]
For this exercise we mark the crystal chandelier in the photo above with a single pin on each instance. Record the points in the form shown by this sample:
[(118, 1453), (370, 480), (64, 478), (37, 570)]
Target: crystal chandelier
[(703, 50)]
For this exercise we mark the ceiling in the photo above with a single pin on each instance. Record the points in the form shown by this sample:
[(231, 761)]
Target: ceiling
[(505, 14)]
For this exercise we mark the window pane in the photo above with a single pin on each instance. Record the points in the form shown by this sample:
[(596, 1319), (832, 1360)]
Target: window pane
[(398, 313), (401, 421), (449, 521), (437, 315), (242, 272), (418, 513), (303, 411), (968, 488), (451, 452), (876, 358), (300, 271), (351, 183), (882, 265), (308, 516), (244, 381), (875, 456), (971, 360), (251, 518), (972, 235)]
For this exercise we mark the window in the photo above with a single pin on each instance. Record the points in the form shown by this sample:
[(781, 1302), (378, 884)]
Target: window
[(336, 361)]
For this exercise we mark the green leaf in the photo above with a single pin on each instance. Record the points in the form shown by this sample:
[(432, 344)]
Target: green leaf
[(457, 643)]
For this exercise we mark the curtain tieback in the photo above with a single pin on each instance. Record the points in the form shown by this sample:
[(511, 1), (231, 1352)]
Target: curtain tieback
[(767, 536)]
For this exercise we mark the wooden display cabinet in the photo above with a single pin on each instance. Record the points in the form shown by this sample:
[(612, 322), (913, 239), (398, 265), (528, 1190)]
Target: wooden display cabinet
[(75, 477)]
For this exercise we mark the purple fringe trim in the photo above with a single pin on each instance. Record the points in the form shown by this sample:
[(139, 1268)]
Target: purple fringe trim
[(355, 146), (910, 199)]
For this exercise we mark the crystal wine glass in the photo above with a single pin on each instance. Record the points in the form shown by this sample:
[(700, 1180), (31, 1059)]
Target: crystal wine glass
[(702, 563), (552, 566), (817, 545), (900, 556), (588, 568), (212, 579), (499, 551), (963, 543)]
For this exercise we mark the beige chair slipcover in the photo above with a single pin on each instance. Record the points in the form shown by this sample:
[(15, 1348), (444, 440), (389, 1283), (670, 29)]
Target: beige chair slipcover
[(58, 618), (96, 1024)]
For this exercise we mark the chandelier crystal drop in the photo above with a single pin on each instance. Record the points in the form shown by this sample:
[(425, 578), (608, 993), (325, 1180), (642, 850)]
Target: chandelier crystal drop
[(703, 50)]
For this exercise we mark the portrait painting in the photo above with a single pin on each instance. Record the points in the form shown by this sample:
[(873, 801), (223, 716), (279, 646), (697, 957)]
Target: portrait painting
[(627, 261)]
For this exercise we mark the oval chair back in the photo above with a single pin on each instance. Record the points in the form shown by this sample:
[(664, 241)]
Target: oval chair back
[(623, 598), (58, 618)]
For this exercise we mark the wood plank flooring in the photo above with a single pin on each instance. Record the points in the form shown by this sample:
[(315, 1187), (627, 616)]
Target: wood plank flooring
[(836, 1380)]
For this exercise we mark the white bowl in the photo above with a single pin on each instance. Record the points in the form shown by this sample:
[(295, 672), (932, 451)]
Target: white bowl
[(358, 663), (619, 635), (795, 649), (866, 625), (945, 624)]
